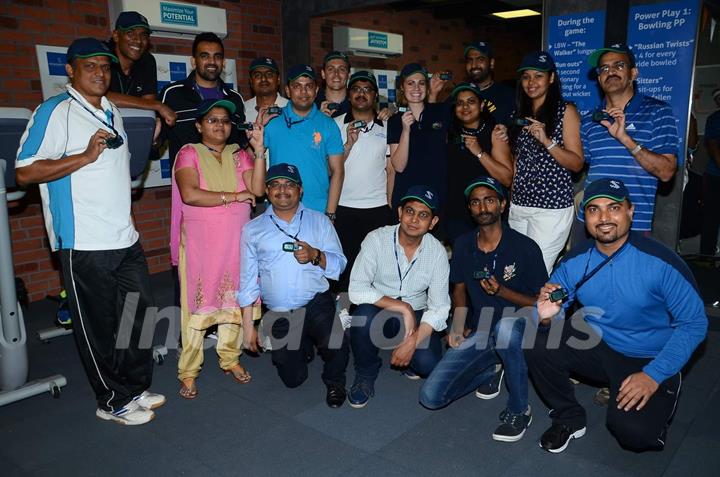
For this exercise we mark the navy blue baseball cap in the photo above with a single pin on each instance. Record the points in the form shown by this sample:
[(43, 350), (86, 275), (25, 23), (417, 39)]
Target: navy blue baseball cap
[(264, 62), (537, 60), (486, 181), (300, 70), (88, 47), (363, 75), (283, 171), (424, 194), (411, 69), (130, 20), (465, 87), (481, 46), (613, 189), (336, 55), (208, 104), (622, 48)]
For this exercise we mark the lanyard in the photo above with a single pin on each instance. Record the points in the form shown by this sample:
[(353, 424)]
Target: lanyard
[(588, 276), (397, 262), (289, 122), (283, 230), (108, 113), (122, 86)]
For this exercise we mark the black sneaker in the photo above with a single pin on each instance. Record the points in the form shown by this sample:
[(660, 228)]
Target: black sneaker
[(336, 395), (557, 438), (492, 389), (513, 426)]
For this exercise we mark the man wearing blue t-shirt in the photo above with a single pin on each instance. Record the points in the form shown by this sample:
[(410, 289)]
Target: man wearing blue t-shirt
[(637, 138), (306, 138), (642, 320)]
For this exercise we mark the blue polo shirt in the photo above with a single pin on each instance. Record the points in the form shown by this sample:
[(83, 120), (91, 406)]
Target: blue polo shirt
[(712, 131), (516, 263), (647, 302), (306, 142), (650, 122), (427, 162)]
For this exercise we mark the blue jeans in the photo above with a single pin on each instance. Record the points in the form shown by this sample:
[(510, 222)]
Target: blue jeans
[(364, 341), (472, 364)]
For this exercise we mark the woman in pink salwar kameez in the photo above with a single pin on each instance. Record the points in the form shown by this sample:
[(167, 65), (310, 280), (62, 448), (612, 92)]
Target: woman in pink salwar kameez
[(214, 185)]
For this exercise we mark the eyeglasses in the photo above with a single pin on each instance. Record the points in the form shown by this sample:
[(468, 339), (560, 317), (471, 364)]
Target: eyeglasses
[(274, 185), (362, 89), (605, 69), (213, 120)]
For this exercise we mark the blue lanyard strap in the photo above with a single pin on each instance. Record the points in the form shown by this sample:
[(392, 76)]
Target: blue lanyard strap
[(109, 114), (289, 122), (295, 237), (397, 262)]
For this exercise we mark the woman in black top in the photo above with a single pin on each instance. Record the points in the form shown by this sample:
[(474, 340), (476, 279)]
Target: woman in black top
[(476, 147)]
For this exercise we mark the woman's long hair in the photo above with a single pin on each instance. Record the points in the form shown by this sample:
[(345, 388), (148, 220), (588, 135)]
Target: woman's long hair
[(546, 113)]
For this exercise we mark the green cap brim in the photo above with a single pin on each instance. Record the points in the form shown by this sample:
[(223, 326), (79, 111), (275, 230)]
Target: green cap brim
[(524, 68), (419, 199), (90, 55), (363, 78), (221, 103), (602, 196), (307, 75), (471, 47), (460, 89), (472, 186), (595, 55), (292, 179), (336, 57), (271, 68)]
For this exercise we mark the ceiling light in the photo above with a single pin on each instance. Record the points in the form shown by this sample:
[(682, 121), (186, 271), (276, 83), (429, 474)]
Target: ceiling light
[(516, 13)]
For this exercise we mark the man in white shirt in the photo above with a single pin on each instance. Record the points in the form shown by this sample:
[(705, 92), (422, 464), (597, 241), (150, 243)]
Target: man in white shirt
[(264, 82), (369, 176), (399, 277), (76, 149)]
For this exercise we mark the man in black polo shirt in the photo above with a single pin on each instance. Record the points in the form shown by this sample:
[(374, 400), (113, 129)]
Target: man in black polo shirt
[(498, 267), (133, 80), (203, 82), (479, 64)]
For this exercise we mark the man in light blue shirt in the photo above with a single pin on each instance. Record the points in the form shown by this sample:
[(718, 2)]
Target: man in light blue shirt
[(304, 137), (288, 253)]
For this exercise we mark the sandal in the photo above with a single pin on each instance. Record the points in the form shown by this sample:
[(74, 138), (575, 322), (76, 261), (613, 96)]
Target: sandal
[(188, 389), (239, 374)]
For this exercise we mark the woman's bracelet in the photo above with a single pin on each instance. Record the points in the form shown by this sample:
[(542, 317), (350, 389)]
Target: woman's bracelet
[(551, 145), (223, 198)]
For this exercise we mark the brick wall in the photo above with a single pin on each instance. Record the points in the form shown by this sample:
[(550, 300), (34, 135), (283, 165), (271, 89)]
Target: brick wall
[(254, 28), (437, 44)]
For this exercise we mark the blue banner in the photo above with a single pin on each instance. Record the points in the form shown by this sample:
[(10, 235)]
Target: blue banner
[(571, 39), (662, 37)]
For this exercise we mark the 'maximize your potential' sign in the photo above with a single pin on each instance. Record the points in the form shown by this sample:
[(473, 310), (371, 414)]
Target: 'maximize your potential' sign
[(174, 14)]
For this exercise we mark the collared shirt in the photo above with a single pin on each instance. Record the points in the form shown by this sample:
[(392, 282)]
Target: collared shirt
[(648, 298), (424, 285), (650, 122), (251, 113), (305, 142), (142, 77), (88, 209), (365, 185), (268, 271), (345, 106), (427, 160), (516, 263)]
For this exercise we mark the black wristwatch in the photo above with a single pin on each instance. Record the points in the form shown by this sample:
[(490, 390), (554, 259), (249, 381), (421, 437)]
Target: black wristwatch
[(316, 261), (331, 215)]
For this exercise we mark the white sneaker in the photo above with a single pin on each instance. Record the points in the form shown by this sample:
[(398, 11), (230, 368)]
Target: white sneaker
[(132, 414), (150, 400)]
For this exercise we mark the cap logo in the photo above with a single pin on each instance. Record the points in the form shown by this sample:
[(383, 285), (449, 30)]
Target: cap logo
[(268, 61), (614, 184), (307, 68), (291, 169), (429, 195), (615, 45), (542, 58), (481, 43)]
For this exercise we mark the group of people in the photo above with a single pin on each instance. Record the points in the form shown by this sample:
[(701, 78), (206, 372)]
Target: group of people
[(371, 203)]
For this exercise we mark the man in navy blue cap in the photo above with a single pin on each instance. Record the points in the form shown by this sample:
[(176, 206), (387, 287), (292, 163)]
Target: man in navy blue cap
[(133, 80), (310, 140), (631, 135), (76, 149), (264, 83), (288, 254), (501, 270), (479, 65), (642, 319), (400, 278), (203, 82)]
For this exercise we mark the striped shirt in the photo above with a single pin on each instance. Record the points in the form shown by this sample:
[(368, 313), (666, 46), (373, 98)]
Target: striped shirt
[(88, 209), (650, 122), (424, 285)]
